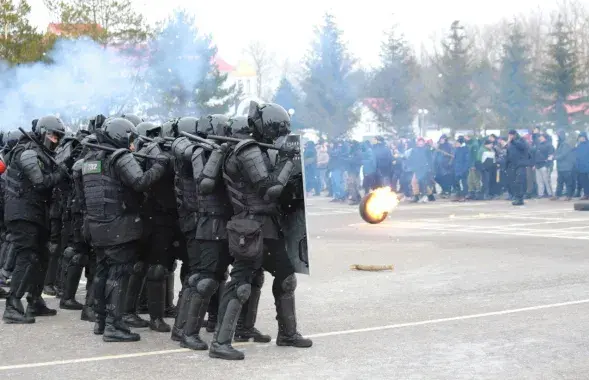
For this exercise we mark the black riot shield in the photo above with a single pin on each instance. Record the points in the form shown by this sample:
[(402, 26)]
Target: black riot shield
[(293, 205)]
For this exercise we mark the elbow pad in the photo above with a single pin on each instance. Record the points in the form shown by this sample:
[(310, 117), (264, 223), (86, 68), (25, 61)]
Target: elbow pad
[(282, 178), (210, 172)]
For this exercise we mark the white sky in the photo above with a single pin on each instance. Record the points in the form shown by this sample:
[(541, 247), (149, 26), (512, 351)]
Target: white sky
[(288, 29)]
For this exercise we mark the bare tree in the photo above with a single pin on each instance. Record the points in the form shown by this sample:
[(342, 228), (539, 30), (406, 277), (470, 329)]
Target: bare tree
[(575, 15), (264, 64)]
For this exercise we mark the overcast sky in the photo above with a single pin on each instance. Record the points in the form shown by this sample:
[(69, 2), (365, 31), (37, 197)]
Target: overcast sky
[(288, 30)]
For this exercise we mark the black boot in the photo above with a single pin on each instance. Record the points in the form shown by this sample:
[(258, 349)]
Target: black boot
[(156, 295), (136, 283), (199, 302), (3, 293), (221, 347), (50, 277), (213, 308), (38, 308), (180, 322), (247, 319), (171, 310), (50, 290), (15, 313), (115, 329), (287, 319), (142, 307), (72, 280)]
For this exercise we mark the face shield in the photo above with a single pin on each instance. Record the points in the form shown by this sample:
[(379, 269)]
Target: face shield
[(52, 140)]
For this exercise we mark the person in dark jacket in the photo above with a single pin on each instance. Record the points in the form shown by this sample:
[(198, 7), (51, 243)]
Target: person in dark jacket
[(312, 182), (384, 161), (583, 163), (443, 160), (461, 168), (337, 167), (353, 165), (369, 168), (420, 163), (518, 159), (565, 165), (542, 158)]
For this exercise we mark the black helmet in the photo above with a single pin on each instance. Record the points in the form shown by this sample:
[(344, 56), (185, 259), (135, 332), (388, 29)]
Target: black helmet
[(238, 126), (118, 132), (213, 125), (168, 128), (269, 121), (148, 129), (11, 138), (51, 130), (34, 125), (132, 118), (187, 124)]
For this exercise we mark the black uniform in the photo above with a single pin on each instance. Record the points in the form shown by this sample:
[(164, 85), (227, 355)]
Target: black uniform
[(3, 236), (112, 182), (518, 158), (30, 179), (162, 239), (255, 239)]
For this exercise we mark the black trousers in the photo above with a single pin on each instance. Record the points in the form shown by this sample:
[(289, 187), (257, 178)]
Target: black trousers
[(81, 246), (114, 265), (518, 177), (32, 257), (274, 260), (162, 244), (584, 180), (565, 179)]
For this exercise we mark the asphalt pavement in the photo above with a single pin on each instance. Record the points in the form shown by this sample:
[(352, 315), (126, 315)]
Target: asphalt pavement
[(480, 290)]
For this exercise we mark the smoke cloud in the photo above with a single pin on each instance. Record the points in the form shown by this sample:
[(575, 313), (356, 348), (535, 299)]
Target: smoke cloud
[(85, 79)]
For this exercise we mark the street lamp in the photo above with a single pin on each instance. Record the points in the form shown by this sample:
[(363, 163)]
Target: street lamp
[(421, 120), (291, 112)]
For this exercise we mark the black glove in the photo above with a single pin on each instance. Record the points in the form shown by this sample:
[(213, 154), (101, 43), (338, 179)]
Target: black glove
[(162, 159), (288, 152), (224, 148), (62, 170), (159, 140)]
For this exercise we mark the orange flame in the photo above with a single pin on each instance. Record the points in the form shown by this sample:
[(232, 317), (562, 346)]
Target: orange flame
[(380, 202)]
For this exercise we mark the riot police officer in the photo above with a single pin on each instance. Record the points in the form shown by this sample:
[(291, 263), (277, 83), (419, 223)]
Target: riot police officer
[(3, 242), (30, 178), (214, 210), (136, 120), (7, 253), (254, 187), (112, 181), (163, 239)]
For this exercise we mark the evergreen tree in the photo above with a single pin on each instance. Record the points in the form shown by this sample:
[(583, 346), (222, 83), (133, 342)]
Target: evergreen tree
[(182, 78), (393, 83), (515, 103), (19, 41), (486, 95), (329, 94), (559, 79), (287, 97), (455, 104)]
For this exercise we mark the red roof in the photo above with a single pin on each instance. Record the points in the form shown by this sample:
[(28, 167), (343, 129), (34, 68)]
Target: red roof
[(57, 29), (377, 104), (223, 66), (571, 108)]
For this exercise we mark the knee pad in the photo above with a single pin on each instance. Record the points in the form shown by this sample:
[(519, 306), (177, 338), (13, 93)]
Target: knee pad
[(258, 280), (243, 293), (68, 254), (289, 284), (193, 280), (80, 260), (139, 268), (157, 272), (207, 287)]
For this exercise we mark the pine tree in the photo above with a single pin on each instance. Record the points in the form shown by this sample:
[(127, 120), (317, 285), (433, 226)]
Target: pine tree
[(455, 104), (19, 41), (559, 79), (287, 96), (515, 101), (392, 83), (485, 92), (329, 94), (182, 78)]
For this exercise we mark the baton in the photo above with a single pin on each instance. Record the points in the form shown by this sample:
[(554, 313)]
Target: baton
[(42, 147), (199, 139), (149, 139), (236, 140), (109, 149)]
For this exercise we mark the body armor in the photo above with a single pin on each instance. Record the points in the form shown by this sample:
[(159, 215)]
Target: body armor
[(215, 203), (161, 197), (25, 200), (110, 205)]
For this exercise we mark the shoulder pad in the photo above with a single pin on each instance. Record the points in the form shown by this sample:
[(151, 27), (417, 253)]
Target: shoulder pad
[(29, 154), (244, 144), (78, 165), (121, 153), (89, 139), (197, 152)]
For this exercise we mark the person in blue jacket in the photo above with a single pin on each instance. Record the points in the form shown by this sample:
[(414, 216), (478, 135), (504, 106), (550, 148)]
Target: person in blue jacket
[(582, 154), (462, 166), (369, 171)]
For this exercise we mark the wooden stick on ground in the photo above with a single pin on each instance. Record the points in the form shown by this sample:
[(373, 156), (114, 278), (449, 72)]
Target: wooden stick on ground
[(372, 268)]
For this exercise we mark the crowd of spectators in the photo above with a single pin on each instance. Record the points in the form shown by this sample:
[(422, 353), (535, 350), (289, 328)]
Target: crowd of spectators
[(511, 167)]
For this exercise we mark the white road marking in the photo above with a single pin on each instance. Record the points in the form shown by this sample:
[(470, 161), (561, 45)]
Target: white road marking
[(320, 335)]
